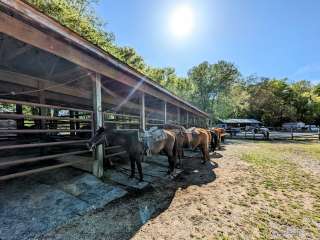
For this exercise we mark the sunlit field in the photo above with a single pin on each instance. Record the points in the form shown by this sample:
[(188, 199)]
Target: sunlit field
[(263, 191), (284, 190)]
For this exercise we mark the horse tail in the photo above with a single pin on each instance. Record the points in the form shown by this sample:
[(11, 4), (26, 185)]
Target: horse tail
[(175, 148)]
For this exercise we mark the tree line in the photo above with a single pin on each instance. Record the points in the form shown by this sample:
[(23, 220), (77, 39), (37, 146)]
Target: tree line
[(217, 88)]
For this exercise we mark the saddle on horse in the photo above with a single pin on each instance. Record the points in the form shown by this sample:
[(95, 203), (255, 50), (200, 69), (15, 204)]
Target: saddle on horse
[(152, 136)]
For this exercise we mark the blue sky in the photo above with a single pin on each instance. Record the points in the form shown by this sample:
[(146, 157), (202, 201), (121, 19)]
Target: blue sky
[(270, 38)]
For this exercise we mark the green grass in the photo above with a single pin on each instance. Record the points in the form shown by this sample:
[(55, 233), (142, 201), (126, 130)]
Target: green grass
[(281, 186)]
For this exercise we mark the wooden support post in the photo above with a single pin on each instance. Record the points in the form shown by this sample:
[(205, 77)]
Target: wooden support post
[(165, 112), (98, 120), (72, 124), (19, 122), (143, 112), (178, 116), (77, 123), (291, 133), (43, 112), (187, 119), (319, 133), (42, 100)]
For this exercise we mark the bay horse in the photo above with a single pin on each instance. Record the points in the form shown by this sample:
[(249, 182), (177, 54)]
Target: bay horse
[(200, 138), (128, 140), (157, 140), (181, 138)]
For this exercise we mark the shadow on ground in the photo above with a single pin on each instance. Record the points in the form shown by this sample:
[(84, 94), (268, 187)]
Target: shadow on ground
[(40, 204), (122, 218)]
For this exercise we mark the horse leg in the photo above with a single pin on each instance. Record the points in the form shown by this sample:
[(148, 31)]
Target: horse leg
[(203, 154), (207, 153), (219, 143), (171, 163), (178, 165), (180, 156), (133, 166), (215, 137), (138, 162)]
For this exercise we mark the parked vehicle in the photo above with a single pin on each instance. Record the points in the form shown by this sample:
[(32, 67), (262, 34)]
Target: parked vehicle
[(293, 125), (312, 128)]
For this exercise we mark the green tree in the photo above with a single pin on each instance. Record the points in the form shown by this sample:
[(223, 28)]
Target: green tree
[(213, 84), (270, 102), (79, 16)]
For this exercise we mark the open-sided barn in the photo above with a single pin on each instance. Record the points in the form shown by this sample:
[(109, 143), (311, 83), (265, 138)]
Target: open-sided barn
[(58, 88)]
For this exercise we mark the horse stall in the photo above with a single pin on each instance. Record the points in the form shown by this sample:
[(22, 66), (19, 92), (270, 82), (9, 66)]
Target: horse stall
[(57, 89)]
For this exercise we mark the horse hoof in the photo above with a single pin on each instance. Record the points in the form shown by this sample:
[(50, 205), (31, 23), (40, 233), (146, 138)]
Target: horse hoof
[(203, 162), (141, 180), (131, 176)]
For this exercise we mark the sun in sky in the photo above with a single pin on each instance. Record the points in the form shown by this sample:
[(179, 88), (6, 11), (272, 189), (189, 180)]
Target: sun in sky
[(181, 21)]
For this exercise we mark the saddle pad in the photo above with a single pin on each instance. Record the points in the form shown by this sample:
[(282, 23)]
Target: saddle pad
[(158, 135), (154, 135)]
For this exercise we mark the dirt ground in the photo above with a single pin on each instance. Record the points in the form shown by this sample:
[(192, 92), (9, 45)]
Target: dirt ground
[(250, 190)]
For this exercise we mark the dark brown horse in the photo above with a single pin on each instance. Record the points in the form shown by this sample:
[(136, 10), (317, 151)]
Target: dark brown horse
[(128, 140), (214, 140)]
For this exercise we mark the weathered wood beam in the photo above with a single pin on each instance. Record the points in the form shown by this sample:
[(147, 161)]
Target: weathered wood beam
[(165, 113), (98, 119), (178, 115), (143, 112), (187, 119)]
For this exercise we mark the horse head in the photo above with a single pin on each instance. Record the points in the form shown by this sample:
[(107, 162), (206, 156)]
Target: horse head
[(98, 138)]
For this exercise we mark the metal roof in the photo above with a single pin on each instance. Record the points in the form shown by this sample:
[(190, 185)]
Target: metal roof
[(239, 120), (74, 38)]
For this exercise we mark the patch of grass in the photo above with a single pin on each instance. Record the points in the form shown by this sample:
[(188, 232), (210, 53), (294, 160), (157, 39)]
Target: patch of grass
[(313, 149), (282, 189)]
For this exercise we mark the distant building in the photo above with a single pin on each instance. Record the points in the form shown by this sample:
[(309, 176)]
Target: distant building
[(239, 123), (293, 125)]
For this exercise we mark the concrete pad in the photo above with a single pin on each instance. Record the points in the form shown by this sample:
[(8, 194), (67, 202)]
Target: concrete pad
[(34, 205), (122, 177), (36, 210), (91, 190), (159, 160)]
